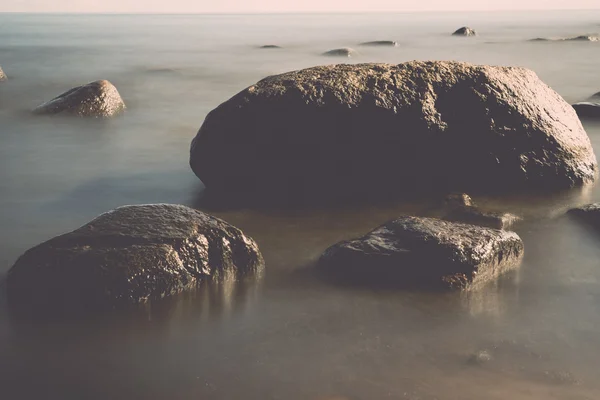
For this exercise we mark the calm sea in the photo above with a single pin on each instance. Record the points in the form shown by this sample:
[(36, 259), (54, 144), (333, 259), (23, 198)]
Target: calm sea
[(289, 336)]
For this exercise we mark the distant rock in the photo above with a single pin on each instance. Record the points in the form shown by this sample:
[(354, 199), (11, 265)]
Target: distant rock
[(2, 75), (343, 52), (380, 43), (441, 126), (270, 46), (582, 38), (589, 214), (96, 99), (459, 207), (414, 251), (465, 31), (127, 256), (587, 109)]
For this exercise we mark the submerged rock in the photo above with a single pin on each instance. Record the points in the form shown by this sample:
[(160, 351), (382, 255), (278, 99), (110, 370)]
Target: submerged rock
[(127, 256), (425, 251), (343, 52), (270, 46), (388, 43), (460, 207), (417, 125), (2, 75), (465, 31), (582, 38), (587, 109), (96, 99), (589, 213)]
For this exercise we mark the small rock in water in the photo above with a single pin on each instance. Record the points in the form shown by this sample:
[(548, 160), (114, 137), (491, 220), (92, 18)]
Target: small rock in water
[(587, 109), (270, 46), (560, 378), (343, 52), (389, 43), (127, 256), (465, 31), (96, 99), (480, 357), (2, 75), (584, 38), (415, 251), (460, 207), (589, 213)]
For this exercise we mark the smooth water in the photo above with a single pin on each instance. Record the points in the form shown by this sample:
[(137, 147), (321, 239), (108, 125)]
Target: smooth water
[(289, 336)]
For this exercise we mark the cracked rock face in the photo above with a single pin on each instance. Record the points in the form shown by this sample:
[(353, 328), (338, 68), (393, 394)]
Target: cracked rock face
[(448, 125), (96, 99), (414, 251), (130, 255)]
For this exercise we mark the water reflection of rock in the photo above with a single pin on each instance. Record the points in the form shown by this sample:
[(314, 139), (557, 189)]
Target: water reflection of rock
[(494, 299)]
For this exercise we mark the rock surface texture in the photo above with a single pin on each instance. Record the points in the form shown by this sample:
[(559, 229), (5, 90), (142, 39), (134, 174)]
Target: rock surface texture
[(589, 213), (130, 255), (450, 125), (413, 251), (465, 31), (96, 99)]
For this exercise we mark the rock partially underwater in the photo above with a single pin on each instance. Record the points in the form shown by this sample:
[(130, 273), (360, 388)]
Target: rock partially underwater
[(3, 76), (587, 109), (379, 127), (459, 207), (417, 252), (465, 31), (96, 99), (589, 214), (380, 43), (343, 52), (127, 256)]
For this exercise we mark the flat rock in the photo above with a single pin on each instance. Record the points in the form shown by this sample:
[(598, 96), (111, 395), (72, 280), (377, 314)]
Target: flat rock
[(459, 207), (425, 251), (127, 256), (581, 38), (270, 46), (589, 213), (379, 127), (465, 31), (587, 109), (343, 52), (96, 99), (380, 43)]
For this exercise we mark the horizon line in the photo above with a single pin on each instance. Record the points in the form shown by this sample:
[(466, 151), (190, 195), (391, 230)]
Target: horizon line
[(295, 12)]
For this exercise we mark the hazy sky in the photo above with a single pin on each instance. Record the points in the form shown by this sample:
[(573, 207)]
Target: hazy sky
[(200, 6)]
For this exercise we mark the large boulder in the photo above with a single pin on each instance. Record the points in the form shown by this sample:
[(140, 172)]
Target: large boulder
[(587, 109), (447, 125), (413, 251), (589, 213), (96, 99), (465, 31), (2, 75), (130, 255)]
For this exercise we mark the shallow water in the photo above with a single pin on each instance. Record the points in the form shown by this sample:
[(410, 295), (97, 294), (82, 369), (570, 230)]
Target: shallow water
[(290, 335)]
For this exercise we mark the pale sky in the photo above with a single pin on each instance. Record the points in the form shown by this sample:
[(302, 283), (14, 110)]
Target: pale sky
[(242, 6)]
